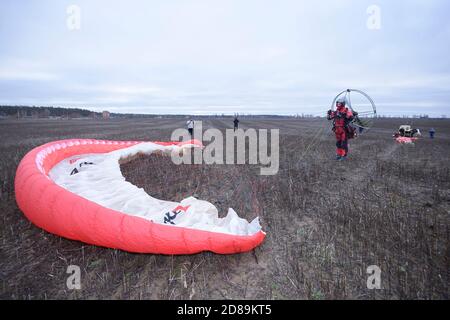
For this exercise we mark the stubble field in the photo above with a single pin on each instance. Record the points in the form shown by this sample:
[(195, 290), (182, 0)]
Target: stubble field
[(326, 222)]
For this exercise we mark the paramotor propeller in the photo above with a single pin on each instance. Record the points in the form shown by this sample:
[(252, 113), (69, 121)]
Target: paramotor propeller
[(361, 105)]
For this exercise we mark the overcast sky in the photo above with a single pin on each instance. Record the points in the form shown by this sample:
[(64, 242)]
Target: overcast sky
[(223, 56)]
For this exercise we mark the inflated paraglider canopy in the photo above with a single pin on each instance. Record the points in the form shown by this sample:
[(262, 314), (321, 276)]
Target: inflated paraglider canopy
[(75, 189), (361, 104)]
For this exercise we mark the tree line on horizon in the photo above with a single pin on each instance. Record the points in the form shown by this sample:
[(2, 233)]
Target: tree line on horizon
[(19, 112)]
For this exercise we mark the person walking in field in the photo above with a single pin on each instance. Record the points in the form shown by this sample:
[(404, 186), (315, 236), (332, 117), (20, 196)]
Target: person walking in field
[(432, 133), (190, 126), (342, 119), (236, 123)]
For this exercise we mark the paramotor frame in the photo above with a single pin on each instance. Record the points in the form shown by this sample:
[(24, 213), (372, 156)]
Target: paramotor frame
[(365, 114)]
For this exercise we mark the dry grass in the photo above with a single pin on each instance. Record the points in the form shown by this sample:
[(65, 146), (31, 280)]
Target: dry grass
[(326, 221)]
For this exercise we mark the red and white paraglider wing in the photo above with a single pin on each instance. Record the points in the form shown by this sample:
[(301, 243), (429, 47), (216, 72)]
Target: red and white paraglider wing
[(74, 188)]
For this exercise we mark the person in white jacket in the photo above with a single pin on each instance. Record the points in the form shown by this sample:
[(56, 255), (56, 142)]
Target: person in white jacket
[(190, 126)]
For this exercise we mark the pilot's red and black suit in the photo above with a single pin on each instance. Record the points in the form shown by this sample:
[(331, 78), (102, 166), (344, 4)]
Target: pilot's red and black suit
[(342, 118)]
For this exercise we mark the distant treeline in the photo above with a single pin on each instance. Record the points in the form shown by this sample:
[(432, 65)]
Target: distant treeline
[(67, 113), (44, 112), (73, 113), (59, 112)]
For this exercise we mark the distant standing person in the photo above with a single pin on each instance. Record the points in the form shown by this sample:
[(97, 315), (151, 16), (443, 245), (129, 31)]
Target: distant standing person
[(236, 123), (432, 133), (190, 126)]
